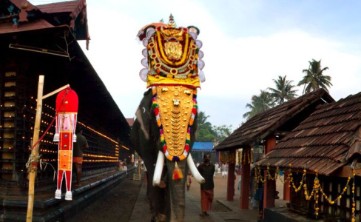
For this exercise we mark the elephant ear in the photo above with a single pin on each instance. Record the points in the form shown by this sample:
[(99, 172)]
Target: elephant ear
[(141, 130)]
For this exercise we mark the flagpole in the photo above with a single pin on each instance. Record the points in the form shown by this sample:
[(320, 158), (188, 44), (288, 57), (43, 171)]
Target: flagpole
[(34, 156)]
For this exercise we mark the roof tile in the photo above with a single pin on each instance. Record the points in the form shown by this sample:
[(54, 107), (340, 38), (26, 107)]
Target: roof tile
[(323, 142), (271, 120)]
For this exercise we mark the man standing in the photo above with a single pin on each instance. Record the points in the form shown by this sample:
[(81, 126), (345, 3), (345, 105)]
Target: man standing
[(79, 146), (206, 169)]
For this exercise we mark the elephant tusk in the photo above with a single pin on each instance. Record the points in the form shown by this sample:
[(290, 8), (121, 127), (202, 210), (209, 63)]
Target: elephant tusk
[(192, 167), (158, 169)]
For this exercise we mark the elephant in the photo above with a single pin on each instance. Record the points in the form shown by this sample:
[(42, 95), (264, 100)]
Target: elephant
[(164, 129)]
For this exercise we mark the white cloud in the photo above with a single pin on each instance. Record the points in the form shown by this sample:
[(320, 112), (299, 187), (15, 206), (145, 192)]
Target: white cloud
[(237, 66)]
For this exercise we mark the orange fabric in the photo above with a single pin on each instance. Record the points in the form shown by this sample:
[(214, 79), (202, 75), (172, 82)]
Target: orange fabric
[(78, 160), (64, 160), (206, 200)]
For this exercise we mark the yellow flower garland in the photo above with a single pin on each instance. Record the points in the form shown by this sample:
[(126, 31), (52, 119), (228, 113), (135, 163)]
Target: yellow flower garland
[(316, 189)]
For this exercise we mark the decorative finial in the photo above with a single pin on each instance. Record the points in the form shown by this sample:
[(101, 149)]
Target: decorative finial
[(171, 22)]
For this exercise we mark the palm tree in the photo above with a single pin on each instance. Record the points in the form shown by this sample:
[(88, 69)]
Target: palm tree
[(314, 78), (284, 90), (259, 104), (204, 128)]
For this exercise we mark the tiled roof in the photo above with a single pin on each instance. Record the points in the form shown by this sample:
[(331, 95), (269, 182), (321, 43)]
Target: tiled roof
[(59, 7), (270, 121), (46, 16), (324, 142), (71, 13)]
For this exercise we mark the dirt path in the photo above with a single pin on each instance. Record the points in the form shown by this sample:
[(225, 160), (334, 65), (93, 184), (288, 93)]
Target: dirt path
[(114, 206)]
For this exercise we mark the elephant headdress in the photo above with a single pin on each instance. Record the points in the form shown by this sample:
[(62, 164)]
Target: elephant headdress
[(173, 70)]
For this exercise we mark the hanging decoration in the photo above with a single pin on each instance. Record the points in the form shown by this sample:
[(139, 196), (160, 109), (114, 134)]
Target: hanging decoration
[(247, 156), (66, 108), (239, 157), (227, 157), (353, 209), (316, 191), (292, 183), (269, 174)]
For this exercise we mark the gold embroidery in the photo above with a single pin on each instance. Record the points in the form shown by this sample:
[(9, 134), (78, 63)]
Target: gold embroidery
[(175, 131), (173, 50)]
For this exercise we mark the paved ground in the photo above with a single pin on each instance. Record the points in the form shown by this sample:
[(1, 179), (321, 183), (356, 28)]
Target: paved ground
[(116, 205), (127, 203)]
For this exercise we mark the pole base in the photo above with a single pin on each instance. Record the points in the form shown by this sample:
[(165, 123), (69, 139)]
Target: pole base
[(68, 195), (56, 137), (58, 194)]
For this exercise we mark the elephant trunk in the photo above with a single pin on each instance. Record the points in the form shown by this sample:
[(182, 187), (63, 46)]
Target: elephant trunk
[(192, 167), (158, 169)]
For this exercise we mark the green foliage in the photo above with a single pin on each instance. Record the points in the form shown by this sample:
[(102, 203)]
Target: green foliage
[(259, 104), (222, 132), (206, 132), (284, 90), (314, 78)]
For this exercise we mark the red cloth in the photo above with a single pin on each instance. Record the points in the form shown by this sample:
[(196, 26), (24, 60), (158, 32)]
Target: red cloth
[(66, 101), (206, 200)]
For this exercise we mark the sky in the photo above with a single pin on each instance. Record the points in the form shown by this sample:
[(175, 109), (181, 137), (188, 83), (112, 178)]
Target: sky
[(246, 44)]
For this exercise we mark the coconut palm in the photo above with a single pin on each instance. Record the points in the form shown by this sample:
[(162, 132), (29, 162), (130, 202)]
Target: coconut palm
[(204, 128), (259, 104), (314, 78), (284, 90)]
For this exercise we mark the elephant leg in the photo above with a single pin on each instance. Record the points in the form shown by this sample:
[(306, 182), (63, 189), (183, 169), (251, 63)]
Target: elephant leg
[(162, 201), (177, 192), (157, 195)]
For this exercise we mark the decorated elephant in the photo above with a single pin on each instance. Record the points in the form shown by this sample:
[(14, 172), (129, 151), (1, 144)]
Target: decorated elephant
[(164, 129)]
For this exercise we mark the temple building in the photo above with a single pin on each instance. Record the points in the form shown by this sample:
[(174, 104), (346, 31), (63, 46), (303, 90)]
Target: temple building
[(43, 40)]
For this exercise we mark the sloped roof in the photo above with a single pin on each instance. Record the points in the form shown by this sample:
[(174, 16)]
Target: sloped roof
[(270, 121), (34, 39), (72, 13), (46, 16), (324, 142), (60, 7)]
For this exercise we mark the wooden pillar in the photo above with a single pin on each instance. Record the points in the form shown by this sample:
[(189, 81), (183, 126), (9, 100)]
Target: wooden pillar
[(269, 194), (270, 144), (286, 188), (270, 185), (230, 181), (245, 185)]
